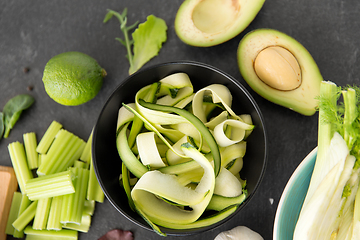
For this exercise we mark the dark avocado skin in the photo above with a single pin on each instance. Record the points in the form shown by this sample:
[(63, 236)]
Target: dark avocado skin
[(302, 99)]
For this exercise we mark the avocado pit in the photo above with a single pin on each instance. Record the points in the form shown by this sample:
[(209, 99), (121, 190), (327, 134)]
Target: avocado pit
[(278, 68)]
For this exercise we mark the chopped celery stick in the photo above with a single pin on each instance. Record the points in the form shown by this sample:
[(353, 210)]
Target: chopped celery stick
[(80, 164), (40, 158), (25, 202), (62, 153), (89, 207), (48, 137), (86, 154), (13, 213), (19, 162), (74, 155), (57, 152), (55, 214), (42, 213), (73, 204), (30, 144), (64, 234), (94, 191), (50, 185), (84, 225), (25, 217)]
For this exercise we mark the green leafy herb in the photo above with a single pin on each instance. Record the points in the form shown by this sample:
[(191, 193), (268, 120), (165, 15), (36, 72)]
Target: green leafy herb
[(147, 38), (13, 109)]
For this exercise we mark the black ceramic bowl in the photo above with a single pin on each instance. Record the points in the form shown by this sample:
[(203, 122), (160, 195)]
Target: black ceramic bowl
[(107, 162)]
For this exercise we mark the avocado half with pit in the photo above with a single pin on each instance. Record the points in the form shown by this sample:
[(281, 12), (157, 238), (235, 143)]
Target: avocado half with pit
[(280, 69), (205, 23)]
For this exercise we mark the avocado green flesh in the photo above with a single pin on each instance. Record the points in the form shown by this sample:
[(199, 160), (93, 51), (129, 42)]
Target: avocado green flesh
[(301, 99), (205, 23)]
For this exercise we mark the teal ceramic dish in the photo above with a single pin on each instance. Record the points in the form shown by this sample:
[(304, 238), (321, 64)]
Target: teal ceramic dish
[(292, 198)]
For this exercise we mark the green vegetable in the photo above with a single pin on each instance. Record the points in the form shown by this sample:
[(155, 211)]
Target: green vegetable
[(94, 191), (66, 148), (19, 163), (73, 204), (51, 185), (209, 138), (48, 137), (64, 234), (84, 226), (147, 38), (13, 213), (30, 144), (331, 203), (42, 213), (58, 199), (55, 214), (182, 170), (13, 109), (25, 217)]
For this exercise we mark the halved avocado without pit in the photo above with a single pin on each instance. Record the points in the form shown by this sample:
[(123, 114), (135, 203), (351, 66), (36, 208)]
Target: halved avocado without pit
[(280, 69), (205, 23)]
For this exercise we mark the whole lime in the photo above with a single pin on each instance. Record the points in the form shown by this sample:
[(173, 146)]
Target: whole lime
[(73, 78)]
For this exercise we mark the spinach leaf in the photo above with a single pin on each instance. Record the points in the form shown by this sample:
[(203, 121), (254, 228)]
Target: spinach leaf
[(1, 124), (13, 109)]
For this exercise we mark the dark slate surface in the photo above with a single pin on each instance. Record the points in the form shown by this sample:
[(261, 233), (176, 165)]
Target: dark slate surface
[(31, 32)]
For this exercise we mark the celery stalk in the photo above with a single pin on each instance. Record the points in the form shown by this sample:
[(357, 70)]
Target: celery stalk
[(42, 213), (94, 191), (64, 234), (50, 185), (25, 217), (55, 214), (30, 144), (86, 154), (84, 225), (73, 155), (48, 137), (25, 202), (19, 163), (89, 207), (56, 152), (80, 164), (13, 213), (73, 204), (63, 152)]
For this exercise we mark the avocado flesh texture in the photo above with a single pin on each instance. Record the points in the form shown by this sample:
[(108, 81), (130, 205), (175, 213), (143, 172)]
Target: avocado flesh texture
[(303, 98), (205, 23)]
